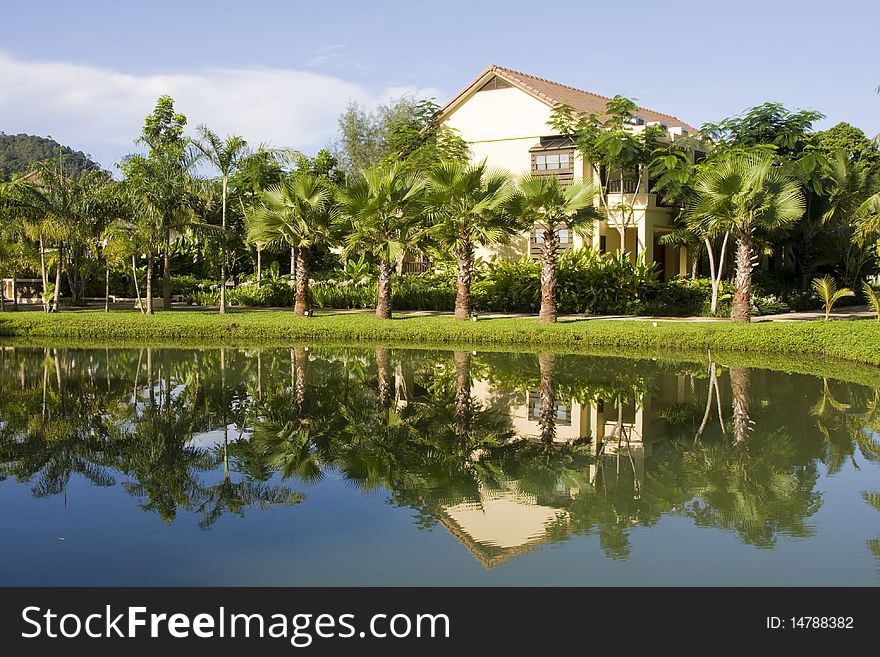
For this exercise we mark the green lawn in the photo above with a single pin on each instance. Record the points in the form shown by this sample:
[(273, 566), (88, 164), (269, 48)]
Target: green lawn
[(850, 340)]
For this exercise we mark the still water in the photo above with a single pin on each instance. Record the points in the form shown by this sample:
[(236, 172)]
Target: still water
[(373, 466)]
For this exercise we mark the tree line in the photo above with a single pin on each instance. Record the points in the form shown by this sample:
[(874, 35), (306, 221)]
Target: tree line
[(763, 185)]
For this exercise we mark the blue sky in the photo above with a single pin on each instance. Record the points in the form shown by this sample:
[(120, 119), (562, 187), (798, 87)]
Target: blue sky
[(87, 72)]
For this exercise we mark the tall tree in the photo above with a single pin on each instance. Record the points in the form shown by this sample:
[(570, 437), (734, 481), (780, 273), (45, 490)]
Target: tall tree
[(164, 175), (467, 209), (404, 130), (164, 196), (744, 194), (300, 211), (383, 210), (617, 154), (227, 156), (264, 168), (542, 203)]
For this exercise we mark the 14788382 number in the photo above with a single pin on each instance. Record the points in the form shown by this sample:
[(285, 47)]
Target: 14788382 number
[(822, 622)]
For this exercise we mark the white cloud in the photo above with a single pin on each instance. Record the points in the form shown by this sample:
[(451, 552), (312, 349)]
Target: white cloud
[(101, 111), (326, 55)]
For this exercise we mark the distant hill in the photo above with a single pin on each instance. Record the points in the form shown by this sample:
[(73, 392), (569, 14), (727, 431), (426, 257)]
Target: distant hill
[(19, 153)]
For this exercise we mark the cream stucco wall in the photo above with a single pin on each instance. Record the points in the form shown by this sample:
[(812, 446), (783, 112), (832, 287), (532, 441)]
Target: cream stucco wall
[(501, 114)]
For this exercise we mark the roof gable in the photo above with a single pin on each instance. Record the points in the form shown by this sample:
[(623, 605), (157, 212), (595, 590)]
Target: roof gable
[(551, 93)]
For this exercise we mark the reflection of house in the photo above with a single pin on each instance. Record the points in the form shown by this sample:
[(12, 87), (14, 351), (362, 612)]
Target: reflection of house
[(503, 116), (507, 523), (503, 525)]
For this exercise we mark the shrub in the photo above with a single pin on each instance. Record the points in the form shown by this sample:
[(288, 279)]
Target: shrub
[(679, 297), (588, 282), (503, 286), (186, 284), (277, 294)]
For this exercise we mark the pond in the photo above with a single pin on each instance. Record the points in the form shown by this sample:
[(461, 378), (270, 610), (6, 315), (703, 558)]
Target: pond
[(376, 466)]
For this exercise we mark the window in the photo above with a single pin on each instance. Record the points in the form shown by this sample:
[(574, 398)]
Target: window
[(561, 412), (563, 232), (553, 156), (555, 162)]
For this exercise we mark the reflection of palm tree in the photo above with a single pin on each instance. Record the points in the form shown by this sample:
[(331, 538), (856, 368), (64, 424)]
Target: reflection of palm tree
[(234, 497), (739, 386), (546, 364), (464, 403), (384, 376)]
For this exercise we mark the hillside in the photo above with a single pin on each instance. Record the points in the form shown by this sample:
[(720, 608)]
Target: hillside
[(18, 154)]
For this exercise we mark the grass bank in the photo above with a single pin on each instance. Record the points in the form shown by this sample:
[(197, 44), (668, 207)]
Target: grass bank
[(857, 341)]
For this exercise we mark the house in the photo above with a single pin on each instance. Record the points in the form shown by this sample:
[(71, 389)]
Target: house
[(503, 115)]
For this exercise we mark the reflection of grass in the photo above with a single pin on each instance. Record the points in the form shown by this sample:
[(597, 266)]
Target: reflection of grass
[(854, 340)]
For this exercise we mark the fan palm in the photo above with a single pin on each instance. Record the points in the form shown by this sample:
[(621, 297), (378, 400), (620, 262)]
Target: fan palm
[(545, 205), (466, 205), (299, 211), (382, 207), (226, 156), (745, 194)]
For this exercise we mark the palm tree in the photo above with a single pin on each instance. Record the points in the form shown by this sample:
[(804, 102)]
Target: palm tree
[(873, 297), (64, 210), (545, 205), (258, 172), (226, 156), (467, 209), (745, 194), (382, 208), (299, 211), (827, 290), (166, 197)]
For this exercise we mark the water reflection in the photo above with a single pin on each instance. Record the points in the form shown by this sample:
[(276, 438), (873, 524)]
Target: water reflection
[(507, 452)]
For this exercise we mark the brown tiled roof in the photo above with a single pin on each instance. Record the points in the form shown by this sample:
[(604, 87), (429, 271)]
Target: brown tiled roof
[(552, 93)]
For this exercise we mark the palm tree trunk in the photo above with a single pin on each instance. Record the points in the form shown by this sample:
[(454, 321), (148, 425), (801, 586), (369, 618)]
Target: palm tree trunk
[(302, 282), (741, 311), (137, 285), (149, 290), (739, 386), (259, 263), (383, 377), (547, 364), (223, 251), (292, 265), (107, 288), (548, 276), (465, 258), (15, 289), (58, 276), (383, 301), (44, 275), (166, 272), (463, 399)]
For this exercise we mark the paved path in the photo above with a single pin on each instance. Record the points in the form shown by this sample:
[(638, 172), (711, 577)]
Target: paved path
[(847, 313)]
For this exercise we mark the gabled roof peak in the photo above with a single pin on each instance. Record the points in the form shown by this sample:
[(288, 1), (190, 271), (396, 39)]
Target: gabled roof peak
[(551, 93)]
